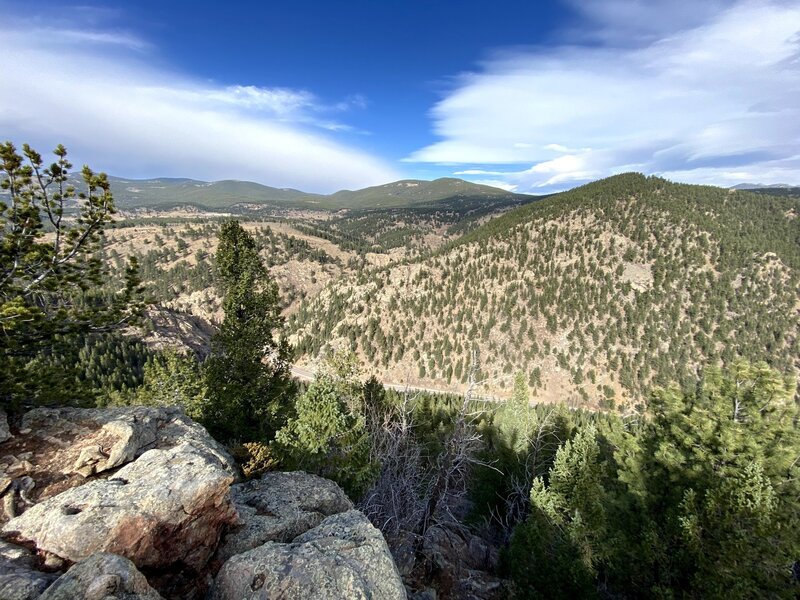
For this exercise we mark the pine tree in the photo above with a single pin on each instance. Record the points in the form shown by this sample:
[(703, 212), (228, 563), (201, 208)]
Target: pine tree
[(173, 379), (328, 433), (718, 477), (247, 373), (555, 552), (53, 290)]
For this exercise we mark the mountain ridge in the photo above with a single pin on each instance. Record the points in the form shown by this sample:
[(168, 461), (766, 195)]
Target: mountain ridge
[(166, 192)]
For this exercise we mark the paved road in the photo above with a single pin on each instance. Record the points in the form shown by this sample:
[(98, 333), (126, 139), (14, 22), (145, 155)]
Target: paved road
[(308, 375)]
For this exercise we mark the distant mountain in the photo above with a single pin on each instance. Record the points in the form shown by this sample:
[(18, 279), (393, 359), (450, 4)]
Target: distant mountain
[(777, 189), (169, 192), (760, 186), (166, 192), (408, 192)]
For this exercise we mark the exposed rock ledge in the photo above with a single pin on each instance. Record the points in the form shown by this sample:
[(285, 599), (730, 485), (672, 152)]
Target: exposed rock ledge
[(139, 503)]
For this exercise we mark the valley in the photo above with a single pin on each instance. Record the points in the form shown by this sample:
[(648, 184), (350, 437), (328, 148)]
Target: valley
[(594, 295), (480, 373)]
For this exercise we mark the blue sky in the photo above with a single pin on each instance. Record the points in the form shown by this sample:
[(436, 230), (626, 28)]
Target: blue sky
[(320, 96)]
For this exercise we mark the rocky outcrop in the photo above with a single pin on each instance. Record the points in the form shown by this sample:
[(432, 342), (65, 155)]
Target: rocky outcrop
[(58, 449), (461, 564), (343, 557), (102, 576), (133, 500), (118, 435), (5, 431), (19, 579), (442, 547), (148, 484), (165, 509), (279, 507)]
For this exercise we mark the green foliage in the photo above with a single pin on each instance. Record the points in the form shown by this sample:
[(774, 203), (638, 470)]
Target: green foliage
[(174, 379), (698, 501), (247, 373), (53, 289), (565, 531), (717, 477), (327, 434)]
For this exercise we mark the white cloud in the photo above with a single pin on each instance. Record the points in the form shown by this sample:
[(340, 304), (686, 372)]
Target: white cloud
[(698, 96), (479, 172), (498, 183), (632, 22), (93, 91)]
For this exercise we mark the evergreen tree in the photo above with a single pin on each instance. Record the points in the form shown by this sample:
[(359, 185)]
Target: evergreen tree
[(53, 289), (717, 481), (173, 379), (698, 501), (328, 433), (247, 373), (520, 396), (555, 552)]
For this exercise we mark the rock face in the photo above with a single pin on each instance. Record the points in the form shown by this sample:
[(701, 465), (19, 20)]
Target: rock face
[(343, 557), (102, 577), (279, 507), (5, 432), (131, 498), (460, 563), (19, 580), (444, 547), (61, 448), (167, 508)]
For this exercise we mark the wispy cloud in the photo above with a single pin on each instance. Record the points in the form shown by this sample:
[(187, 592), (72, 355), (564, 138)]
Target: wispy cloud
[(92, 89), (708, 94)]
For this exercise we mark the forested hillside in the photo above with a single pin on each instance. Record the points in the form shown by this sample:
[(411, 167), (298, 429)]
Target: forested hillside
[(596, 295)]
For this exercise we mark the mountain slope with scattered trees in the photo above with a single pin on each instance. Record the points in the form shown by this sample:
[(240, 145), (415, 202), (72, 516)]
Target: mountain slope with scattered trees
[(596, 294), (615, 287)]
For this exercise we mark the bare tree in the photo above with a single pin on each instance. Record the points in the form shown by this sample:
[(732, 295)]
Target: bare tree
[(450, 476), (395, 502)]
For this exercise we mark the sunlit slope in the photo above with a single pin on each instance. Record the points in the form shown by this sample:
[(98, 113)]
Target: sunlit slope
[(595, 294)]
